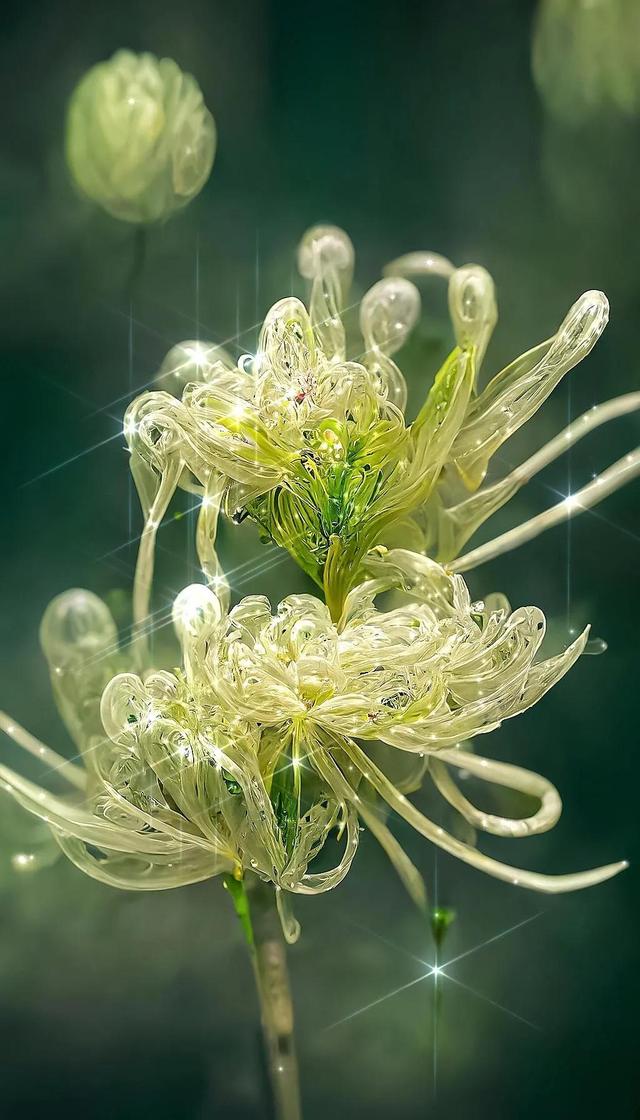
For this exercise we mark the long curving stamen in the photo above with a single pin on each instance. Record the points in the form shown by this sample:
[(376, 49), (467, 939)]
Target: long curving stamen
[(611, 479), (502, 774), (407, 871), (76, 775), (422, 262), (549, 884), (206, 533), (459, 522), (145, 563)]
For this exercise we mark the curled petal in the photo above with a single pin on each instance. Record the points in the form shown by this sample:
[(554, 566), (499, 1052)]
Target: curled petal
[(138, 872), (422, 262), (79, 639), (123, 706), (325, 256), (286, 340), (196, 611), (513, 395), (473, 310), (388, 314), (77, 625), (502, 774), (191, 361), (72, 819)]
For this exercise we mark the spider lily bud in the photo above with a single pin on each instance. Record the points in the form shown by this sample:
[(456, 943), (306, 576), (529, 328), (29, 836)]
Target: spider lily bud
[(140, 140)]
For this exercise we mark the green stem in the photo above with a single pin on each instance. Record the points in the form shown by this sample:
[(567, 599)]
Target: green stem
[(256, 910)]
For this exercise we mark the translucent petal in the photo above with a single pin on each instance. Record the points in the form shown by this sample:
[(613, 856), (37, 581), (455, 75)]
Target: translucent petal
[(473, 310), (388, 314), (513, 395), (503, 774), (325, 256)]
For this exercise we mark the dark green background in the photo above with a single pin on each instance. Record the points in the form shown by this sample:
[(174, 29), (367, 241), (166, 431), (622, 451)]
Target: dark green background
[(413, 126)]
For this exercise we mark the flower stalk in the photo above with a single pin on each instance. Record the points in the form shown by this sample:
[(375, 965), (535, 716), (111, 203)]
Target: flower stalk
[(261, 925)]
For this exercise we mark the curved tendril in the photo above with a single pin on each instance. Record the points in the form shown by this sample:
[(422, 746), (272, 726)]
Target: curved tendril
[(75, 775), (145, 563), (459, 522), (318, 883), (610, 480), (258, 807), (473, 309), (550, 884), (134, 872), (325, 256), (422, 262), (323, 881), (288, 921), (388, 313), (206, 532), (73, 819), (472, 303), (407, 871), (182, 830), (502, 774)]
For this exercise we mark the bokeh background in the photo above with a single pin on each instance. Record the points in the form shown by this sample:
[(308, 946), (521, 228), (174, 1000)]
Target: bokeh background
[(413, 125)]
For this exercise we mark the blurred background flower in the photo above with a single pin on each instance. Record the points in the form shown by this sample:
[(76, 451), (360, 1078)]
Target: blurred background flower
[(586, 58), (140, 140), (585, 61)]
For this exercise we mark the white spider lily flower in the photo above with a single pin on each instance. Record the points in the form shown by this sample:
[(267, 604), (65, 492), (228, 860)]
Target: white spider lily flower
[(170, 789), (140, 140), (316, 449), (421, 677), (251, 754)]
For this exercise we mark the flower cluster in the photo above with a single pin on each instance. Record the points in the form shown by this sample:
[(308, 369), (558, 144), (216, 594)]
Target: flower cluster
[(140, 140), (282, 728), (250, 755)]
